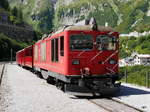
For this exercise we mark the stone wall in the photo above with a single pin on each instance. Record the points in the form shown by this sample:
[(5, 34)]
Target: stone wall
[(18, 33)]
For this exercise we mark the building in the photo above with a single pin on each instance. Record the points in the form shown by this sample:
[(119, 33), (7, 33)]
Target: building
[(135, 59), (4, 17), (142, 59), (126, 62)]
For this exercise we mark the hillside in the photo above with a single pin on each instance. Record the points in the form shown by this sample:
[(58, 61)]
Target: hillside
[(38, 13), (124, 15), (134, 44), (15, 34)]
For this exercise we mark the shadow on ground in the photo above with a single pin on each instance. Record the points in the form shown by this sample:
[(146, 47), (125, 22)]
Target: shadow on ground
[(126, 91)]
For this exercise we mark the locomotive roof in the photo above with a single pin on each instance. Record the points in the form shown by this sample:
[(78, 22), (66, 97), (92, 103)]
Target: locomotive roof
[(84, 28), (89, 28)]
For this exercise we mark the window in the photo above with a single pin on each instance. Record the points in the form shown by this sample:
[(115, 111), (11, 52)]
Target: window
[(81, 42), (43, 51), (105, 42), (36, 52), (54, 50), (28, 52), (62, 46)]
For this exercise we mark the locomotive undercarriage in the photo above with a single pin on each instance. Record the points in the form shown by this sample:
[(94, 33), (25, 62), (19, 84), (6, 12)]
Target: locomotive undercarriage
[(90, 85), (93, 86)]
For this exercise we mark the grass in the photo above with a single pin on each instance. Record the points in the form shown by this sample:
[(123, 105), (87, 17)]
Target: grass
[(136, 74)]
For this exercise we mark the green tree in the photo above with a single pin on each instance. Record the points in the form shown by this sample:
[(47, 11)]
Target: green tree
[(20, 15), (15, 12), (4, 4)]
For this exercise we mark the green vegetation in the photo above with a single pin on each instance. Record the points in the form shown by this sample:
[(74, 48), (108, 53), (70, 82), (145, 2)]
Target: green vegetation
[(6, 44), (124, 16), (38, 13), (12, 16), (136, 74), (132, 44), (4, 4), (15, 15)]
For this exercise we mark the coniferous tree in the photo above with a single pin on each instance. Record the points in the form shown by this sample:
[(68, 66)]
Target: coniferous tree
[(4, 4), (15, 11)]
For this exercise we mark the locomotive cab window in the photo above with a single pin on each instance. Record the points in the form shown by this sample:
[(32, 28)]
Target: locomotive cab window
[(105, 42), (81, 42)]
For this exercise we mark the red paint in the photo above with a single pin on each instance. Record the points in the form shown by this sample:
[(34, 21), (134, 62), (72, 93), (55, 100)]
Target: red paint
[(64, 66)]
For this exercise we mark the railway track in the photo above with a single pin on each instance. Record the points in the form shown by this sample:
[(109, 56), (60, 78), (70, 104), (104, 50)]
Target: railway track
[(2, 67), (112, 105)]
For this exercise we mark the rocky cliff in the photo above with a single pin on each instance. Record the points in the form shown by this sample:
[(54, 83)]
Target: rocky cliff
[(124, 15), (38, 13)]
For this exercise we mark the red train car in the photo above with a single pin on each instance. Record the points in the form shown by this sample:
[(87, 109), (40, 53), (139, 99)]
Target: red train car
[(80, 59), (28, 57), (20, 57), (25, 57)]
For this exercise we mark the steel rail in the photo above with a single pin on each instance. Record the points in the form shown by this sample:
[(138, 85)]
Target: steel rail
[(113, 99), (101, 106), (114, 109), (1, 75)]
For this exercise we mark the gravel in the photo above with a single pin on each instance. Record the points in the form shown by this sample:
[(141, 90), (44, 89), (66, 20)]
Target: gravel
[(135, 96), (23, 91)]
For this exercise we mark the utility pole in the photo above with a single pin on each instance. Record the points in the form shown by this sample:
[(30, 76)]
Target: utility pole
[(11, 55), (126, 75)]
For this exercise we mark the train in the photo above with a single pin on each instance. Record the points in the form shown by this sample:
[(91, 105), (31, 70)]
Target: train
[(80, 59)]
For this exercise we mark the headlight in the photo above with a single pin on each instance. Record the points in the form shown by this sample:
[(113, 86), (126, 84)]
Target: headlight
[(112, 61), (75, 62)]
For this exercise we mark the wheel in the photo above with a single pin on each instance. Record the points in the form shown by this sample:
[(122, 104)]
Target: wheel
[(50, 80), (60, 85)]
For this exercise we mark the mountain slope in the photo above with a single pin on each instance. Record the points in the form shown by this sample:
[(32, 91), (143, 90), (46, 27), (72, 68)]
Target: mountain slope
[(38, 13), (124, 15), (128, 45)]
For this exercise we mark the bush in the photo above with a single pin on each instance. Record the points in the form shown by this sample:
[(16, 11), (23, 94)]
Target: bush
[(130, 44), (6, 44), (136, 74)]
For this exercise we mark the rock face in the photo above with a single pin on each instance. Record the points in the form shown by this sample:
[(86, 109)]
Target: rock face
[(17, 33), (124, 15), (38, 13)]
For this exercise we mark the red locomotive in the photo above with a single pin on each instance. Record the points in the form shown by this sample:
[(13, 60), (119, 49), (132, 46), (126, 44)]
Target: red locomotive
[(80, 59)]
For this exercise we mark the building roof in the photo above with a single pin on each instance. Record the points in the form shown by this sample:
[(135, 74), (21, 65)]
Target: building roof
[(143, 55)]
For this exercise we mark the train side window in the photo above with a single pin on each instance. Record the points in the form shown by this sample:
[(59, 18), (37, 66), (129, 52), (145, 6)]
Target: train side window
[(54, 50), (29, 52), (62, 46), (43, 51), (36, 52)]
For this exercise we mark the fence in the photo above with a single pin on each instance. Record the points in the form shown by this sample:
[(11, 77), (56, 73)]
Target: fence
[(139, 79)]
